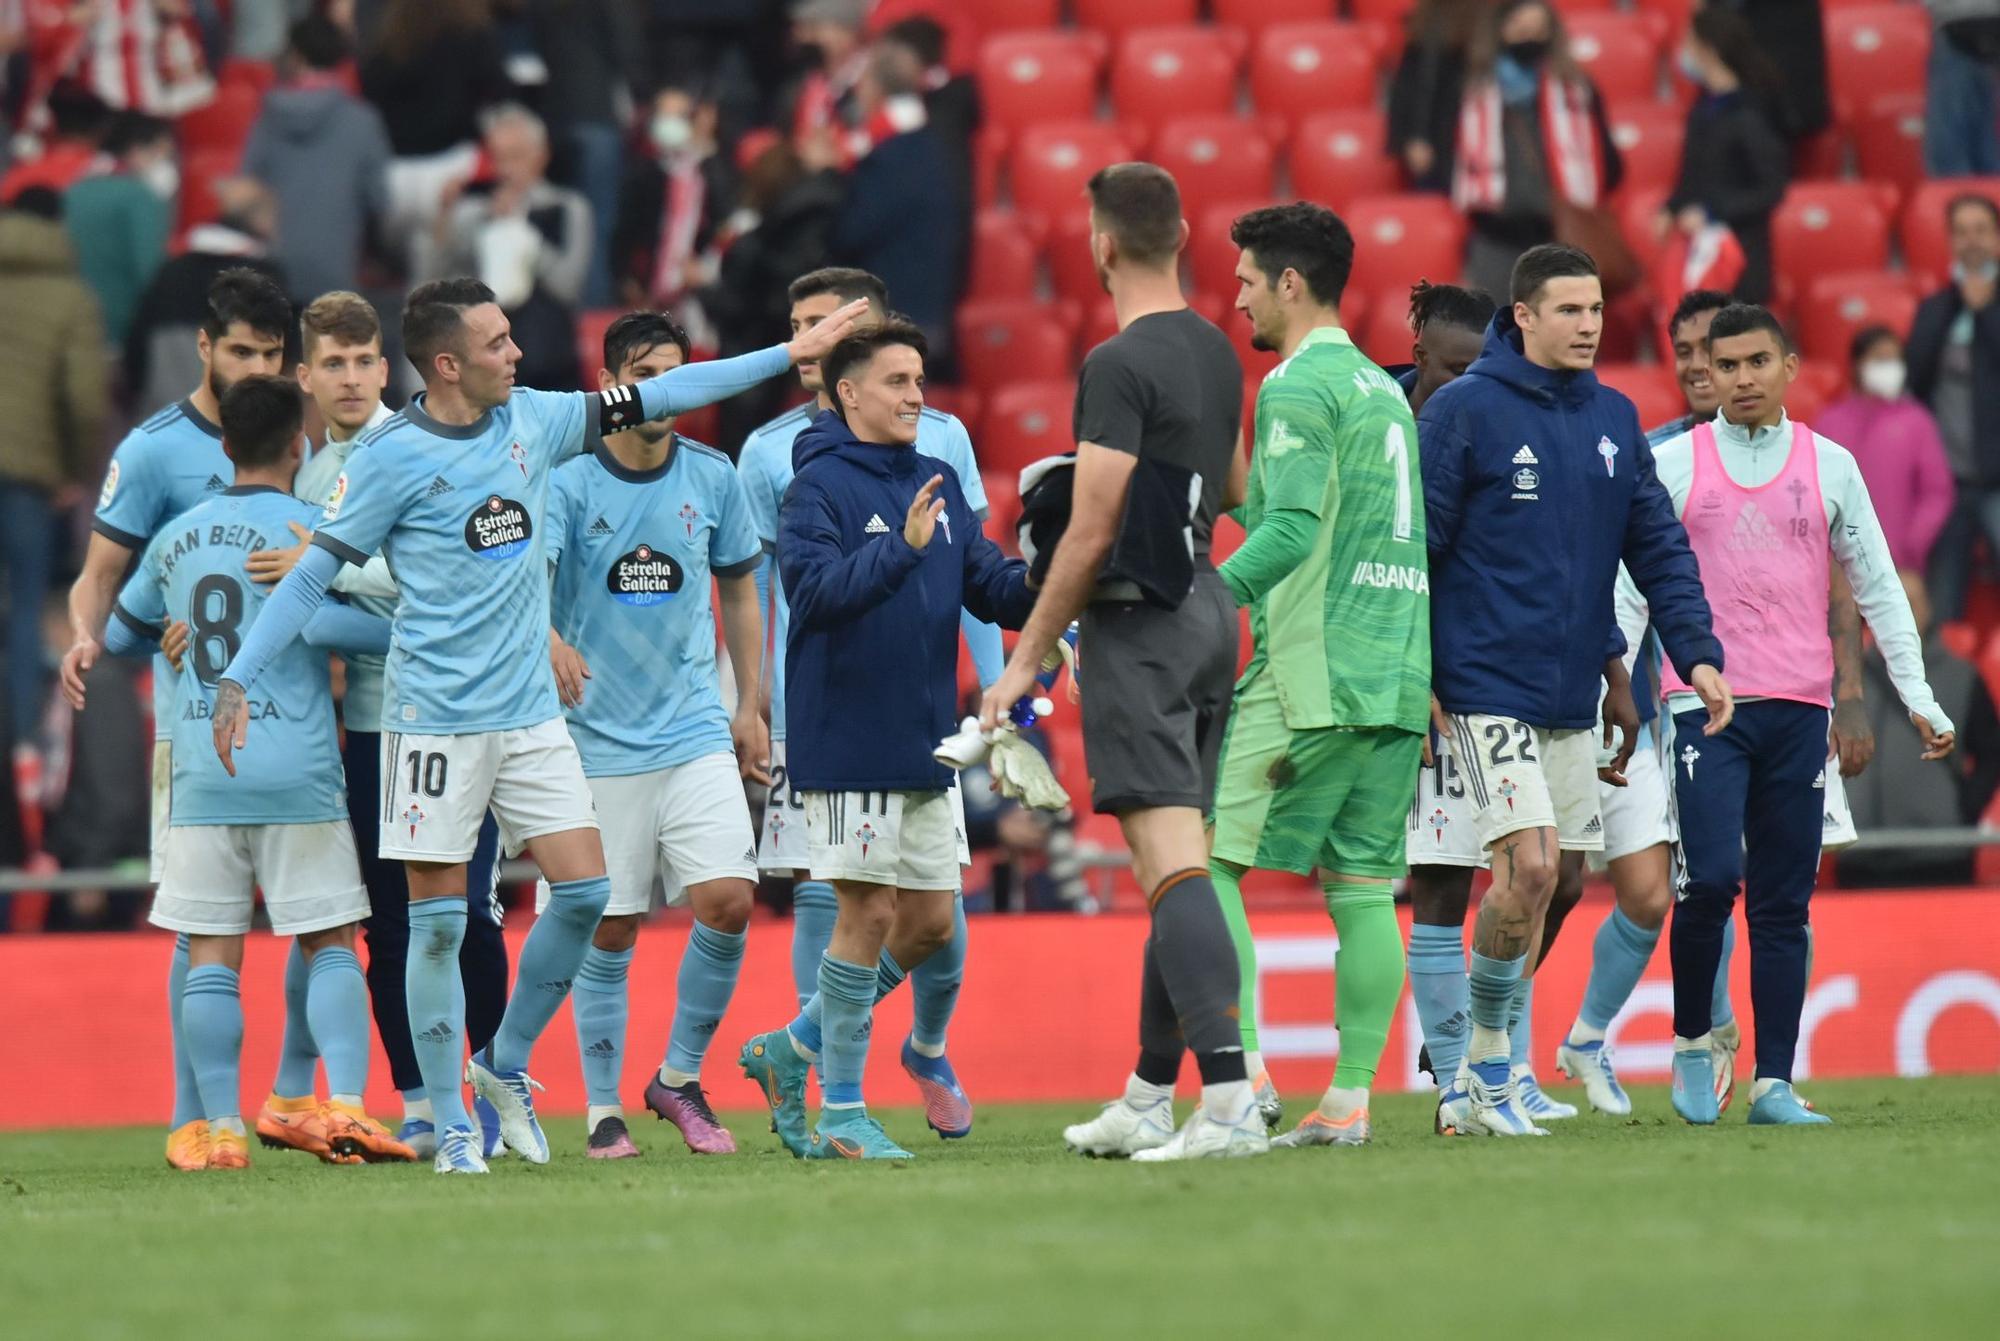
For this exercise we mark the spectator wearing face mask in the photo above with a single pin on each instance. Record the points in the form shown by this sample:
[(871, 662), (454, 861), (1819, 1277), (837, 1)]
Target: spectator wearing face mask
[(119, 221), (1895, 442), (1954, 368), (676, 194)]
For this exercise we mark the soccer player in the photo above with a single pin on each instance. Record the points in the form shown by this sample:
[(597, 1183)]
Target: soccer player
[(1157, 405), (453, 491), (287, 831), (1448, 326), (1326, 727), (163, 467), (635, 531), (1537, 481), (1767, 503), (880, 823), (344, 373), (766, 466)]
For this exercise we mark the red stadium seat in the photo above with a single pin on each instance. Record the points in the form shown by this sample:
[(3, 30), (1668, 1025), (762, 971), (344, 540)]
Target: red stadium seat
[(1837, 306), (223, 122), (200, 170), (999, 16), (1215, 158), (1652, 389), (1620, 52), (1822, 227), (1385, 335), (1873, 50), (1118, 17), (1067, 251), (1926, 235), (1338, 156), (1889, 140), (1648, 135), (1391, 12), (1029, 77), (1253, 16), (1300, 68), (1026, 421), (1051, 163), (1003, 507), (1158, 73), (590, 328), (1821, 157), (1211, 256), (1011, 340), (961, 402), (989, 153), (1401, 239), (1006, 249)]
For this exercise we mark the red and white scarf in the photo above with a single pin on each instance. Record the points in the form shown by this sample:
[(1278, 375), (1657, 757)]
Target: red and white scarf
[(1569, 138)]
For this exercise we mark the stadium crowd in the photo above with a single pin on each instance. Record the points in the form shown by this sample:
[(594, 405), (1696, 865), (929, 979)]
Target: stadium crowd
[(588, 156)]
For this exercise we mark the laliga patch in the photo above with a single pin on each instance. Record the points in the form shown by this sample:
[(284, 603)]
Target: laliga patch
[(333, 500), (110, 490), (498, 528), (644, 577)]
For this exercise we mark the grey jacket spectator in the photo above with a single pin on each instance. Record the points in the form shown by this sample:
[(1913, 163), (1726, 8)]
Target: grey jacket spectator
[(324, 154)]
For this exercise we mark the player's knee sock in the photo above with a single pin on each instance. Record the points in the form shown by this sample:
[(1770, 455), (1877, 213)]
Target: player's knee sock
[(934, 988), (598, 1004), (1490, 984), (436, 997), (1367, 976), (847, 996), (1720, 1012), (550, 957), (1229, 892), (1520, 1027), (808, 1026), (298, 1055), (707, 981), (1618, 959), (814, 908), (187, 1091), (1438, 986), (337, 1011), (1198, 965), (212, 1016), (1160, 1043)]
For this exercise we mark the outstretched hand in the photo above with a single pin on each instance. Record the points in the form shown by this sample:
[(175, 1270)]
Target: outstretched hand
[(920, 524), (815, 343), (230, 721)]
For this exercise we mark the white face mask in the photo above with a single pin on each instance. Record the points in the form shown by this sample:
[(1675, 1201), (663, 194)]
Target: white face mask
[(162, 177), (1883, 377), (671, 133)]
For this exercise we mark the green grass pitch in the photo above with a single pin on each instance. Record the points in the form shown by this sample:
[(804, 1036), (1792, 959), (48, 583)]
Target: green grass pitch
[(1885, 1225)]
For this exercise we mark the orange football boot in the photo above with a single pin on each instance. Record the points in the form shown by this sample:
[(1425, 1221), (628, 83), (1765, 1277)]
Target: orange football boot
[(355, 1135), (228, 1150), (187, 1146), (299, 1124)]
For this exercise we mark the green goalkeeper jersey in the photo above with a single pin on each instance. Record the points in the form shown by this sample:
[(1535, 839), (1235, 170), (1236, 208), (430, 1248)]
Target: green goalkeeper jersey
[(1347, 633)]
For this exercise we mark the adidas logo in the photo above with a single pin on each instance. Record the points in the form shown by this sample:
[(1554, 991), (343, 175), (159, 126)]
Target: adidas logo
[(1526, 456), (750, 856), (1753, 531), (876, 526), (439, 486), (556, 985), (601, 1048), (708, 1027), (1595, 826), (599, 527), (438, 1033), (216, 484)]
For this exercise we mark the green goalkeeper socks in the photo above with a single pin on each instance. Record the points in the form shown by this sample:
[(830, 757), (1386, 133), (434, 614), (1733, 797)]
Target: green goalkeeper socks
[(1367, 975), (1227, 879)]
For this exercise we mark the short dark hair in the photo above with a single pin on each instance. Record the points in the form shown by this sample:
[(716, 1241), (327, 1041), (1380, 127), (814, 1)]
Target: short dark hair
[(1449, 305), (135, 130), (75, 112), (859, 348), (249, 296), (339, 315), (320, 43), (1139, 204), (1974, 199), (40, 201), (434, 319), (1867, 338), (843, 282), (1693, 303), (1551, 260), (261, 417), (637, 334), (1302, 236), (921, 34), (1747, 319)]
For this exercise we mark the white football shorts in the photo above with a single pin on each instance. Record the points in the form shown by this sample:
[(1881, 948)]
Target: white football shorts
[(436, 790), (308, 872)]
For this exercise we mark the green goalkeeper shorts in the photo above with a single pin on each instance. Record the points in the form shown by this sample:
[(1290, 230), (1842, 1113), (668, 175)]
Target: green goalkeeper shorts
[(1336, 798)]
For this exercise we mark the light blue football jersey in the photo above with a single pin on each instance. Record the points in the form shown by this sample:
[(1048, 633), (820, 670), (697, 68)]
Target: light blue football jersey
[(766, 466), (195, 571), (365, 673), (458, 512), (633, 552), (165, 466)]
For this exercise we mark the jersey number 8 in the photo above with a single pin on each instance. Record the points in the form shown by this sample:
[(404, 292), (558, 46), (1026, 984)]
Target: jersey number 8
[(213, 625)]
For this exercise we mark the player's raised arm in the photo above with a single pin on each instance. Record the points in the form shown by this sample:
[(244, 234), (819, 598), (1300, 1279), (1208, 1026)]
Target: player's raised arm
[(693, 385)]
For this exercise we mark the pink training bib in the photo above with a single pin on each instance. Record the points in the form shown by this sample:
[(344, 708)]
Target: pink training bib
[(1764, 567)]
